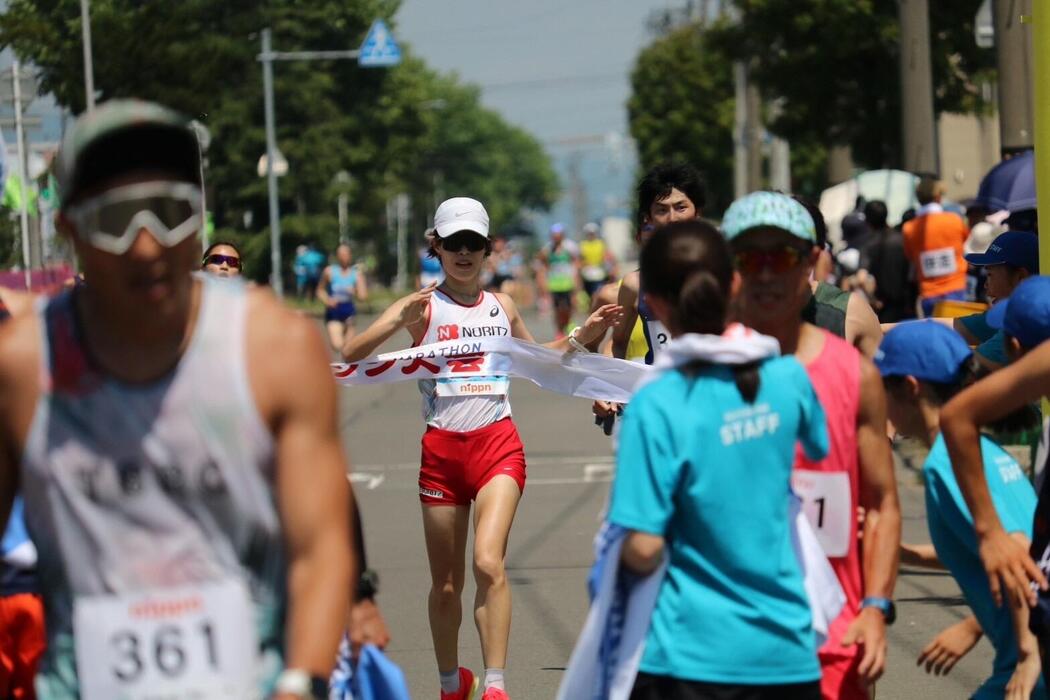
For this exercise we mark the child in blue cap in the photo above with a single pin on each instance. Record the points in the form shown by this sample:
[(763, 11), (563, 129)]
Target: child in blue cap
[(924, 364), (1025, 323)]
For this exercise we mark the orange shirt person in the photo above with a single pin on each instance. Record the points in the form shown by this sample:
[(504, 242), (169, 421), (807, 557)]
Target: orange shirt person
[(933, 242)]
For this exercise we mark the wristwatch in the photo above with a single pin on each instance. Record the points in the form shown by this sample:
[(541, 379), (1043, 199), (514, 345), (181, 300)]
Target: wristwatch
[(297, 682), (367, 585), (884, 605)]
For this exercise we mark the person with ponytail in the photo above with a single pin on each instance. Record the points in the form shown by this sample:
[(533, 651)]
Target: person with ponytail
[(703, 482), (924, 364)]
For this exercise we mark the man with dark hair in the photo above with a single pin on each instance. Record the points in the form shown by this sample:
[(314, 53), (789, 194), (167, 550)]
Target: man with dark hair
[(184, 484), (884, 259), (671, 192), (667, 193)]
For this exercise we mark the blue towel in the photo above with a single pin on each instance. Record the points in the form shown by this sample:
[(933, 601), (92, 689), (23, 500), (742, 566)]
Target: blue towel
[(373, 677)]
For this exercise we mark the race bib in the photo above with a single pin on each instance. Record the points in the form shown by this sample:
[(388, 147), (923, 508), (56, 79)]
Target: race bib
[(593, 273), (473, 386), (827, 504), (937, 263), (659, 336), (196, 642)]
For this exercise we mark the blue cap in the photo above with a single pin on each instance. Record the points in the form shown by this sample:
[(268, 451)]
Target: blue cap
[(1025, 315), (557, 228), (1017, 248), (926, 350)]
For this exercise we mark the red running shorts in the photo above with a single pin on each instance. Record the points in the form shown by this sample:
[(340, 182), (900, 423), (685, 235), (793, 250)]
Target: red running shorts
[(455, 466)]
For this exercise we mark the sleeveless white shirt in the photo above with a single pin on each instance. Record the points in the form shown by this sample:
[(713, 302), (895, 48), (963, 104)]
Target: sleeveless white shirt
[(450, 404), (142, 487)]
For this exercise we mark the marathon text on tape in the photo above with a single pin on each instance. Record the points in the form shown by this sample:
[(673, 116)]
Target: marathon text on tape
[(584, 375)]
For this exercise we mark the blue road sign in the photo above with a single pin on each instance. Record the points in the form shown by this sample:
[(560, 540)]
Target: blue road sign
[(379, 48)]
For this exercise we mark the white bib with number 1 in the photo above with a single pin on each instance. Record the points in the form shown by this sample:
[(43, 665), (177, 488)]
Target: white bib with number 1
[(180, 643), (826, 503)]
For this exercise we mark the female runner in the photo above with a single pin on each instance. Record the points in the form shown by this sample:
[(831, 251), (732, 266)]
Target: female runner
[(471, 450)]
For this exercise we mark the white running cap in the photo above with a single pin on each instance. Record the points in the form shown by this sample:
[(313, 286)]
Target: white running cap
[(461, 214)]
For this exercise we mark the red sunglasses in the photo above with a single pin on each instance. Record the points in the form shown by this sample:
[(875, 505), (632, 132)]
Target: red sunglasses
[(778, 260)]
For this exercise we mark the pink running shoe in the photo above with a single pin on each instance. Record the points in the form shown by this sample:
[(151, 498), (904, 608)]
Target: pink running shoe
[(468, 684), (495, 694)]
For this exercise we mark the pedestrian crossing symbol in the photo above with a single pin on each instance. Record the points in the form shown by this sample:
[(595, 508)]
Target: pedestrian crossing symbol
[(379, 48)]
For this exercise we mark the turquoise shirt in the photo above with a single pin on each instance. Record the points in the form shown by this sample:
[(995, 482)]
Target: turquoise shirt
[(951, 529), (711, 473), (989, 340)]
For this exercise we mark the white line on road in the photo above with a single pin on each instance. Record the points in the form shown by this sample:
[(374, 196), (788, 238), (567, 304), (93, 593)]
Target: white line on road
[(371, 481)]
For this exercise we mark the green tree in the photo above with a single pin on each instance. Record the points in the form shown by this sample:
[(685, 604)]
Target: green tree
[(380, 125), (681, 108), (835, 64)]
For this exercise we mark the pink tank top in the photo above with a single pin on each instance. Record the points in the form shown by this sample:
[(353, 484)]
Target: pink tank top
[(830, 488)]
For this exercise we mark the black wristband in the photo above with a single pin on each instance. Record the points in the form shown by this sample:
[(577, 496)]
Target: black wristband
[(367, 585)]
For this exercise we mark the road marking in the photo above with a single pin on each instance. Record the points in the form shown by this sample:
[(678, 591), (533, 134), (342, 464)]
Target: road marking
[(371, 481), (597, 472)]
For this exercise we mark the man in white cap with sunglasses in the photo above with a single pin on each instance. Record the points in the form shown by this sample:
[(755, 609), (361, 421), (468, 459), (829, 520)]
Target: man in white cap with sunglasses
[(183, 481)]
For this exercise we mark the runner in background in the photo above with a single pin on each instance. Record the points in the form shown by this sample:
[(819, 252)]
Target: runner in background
[(184, 484), (844, 314), (499, 266), (933, 242), (703, 480), (341, 287), (222, 260), (471, 452), (430, 271), (923, 366), (597, 262), (559, 261), (774, 242), (22, 636)]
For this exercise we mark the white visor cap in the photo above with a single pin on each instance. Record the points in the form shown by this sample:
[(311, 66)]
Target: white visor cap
[(461, 214)]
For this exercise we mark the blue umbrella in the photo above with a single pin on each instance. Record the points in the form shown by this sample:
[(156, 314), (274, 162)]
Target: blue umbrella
[(1010, 185)]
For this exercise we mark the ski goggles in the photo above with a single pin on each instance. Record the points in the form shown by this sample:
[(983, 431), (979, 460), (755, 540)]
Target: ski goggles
[(171, 211)]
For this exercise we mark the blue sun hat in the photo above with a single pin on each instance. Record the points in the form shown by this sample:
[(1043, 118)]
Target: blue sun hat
[(768, 209), (1025, 314), (926, 350)]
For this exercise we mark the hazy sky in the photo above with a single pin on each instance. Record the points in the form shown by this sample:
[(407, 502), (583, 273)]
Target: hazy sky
[(558, 68)]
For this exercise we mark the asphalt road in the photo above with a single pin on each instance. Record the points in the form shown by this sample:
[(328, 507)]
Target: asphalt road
[(569, 462)]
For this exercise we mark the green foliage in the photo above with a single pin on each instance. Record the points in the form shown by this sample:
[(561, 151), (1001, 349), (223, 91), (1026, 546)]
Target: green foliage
[(681, 108), (391, 129), (835, 64)]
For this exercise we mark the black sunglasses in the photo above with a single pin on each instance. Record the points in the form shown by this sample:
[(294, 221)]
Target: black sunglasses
[(216, 259), (466, 239)]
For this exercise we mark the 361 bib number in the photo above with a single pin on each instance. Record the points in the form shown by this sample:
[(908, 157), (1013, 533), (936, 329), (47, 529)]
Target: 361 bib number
[(826, 503), (196, 642)]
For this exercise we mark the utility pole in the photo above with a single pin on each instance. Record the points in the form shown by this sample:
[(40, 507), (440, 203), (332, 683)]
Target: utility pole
[(23, 213), (378, 50), (578, 192), (89, 68), (917, 119), (754, 136), (402, 212), (740, 160), (1013, 48), (276, 282)]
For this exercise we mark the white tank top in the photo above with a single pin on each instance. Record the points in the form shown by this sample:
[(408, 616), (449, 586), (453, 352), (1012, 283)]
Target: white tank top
[(141, 487), (461, 405)]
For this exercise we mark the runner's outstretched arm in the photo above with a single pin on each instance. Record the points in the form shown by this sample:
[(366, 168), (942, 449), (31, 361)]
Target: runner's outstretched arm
[(882, 522), (361, 289), (593, 328), (1007, 563), (312, 490), (407, 312), (862, 326), (628, 299)]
